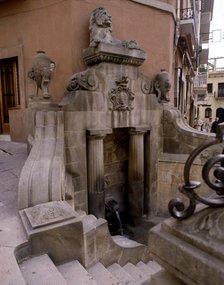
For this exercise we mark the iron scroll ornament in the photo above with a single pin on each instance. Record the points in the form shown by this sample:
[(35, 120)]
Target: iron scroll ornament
[(176, 206)]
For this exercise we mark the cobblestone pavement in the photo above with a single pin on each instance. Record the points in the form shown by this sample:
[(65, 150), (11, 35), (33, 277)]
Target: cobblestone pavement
[(12, 159)]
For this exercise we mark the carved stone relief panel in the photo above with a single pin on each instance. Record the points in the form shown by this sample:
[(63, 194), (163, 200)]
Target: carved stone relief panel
[(121, 96)]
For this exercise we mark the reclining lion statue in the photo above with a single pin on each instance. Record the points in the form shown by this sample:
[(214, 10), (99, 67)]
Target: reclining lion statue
[(101, 30)]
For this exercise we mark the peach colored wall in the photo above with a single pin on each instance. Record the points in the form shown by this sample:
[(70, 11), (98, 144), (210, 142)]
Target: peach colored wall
[(61, 29)]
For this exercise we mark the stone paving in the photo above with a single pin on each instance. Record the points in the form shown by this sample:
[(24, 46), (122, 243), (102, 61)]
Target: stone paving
[(12, 159)]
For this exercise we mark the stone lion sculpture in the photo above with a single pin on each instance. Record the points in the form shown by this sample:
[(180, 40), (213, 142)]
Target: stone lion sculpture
[(101, 30)]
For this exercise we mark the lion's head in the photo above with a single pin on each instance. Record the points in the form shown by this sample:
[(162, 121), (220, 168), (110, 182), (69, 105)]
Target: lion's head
[(101, 18), (100, 26)]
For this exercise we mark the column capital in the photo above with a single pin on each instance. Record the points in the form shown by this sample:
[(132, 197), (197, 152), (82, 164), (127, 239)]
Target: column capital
[(138, 130), (98, 133)]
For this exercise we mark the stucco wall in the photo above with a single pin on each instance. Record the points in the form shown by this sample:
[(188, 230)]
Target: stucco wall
[(61, 29)]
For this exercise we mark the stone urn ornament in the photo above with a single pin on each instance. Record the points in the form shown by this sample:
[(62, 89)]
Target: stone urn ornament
[(42, 68)]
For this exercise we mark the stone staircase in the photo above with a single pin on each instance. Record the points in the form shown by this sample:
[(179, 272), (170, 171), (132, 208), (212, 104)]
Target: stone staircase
[(40, 270), (88, 255)]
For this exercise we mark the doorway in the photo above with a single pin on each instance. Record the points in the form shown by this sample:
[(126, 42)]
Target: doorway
[(9, 90)]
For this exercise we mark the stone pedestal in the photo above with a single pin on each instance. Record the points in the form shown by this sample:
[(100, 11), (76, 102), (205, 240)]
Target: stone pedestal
[(136, 171), (55, 228), (191, 249), (96, 195)]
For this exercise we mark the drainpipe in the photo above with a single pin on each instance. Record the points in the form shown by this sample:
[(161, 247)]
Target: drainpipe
[(180, 82)]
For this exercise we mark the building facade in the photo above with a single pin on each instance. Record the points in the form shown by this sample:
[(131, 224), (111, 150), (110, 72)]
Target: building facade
[(210, 104), (171, 33)]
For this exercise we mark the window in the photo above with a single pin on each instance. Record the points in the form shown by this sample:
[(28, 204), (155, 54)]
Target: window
[(9, 89), (208, 112), (210, 87), (201, 97), (220, 89)]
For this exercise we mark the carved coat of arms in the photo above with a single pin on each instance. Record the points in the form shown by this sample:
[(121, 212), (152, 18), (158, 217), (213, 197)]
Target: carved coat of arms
[(121, 97)]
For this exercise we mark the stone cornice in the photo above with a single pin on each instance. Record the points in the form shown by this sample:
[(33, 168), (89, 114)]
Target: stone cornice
[(158, 5)]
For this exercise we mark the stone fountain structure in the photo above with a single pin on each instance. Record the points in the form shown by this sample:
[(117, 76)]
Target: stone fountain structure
[(101, 145)]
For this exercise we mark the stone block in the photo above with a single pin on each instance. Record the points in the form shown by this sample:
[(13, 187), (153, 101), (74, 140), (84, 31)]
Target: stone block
[(55, 228), (75, 154), (73, 138), (191, 250), (80, 182), (77, 168)]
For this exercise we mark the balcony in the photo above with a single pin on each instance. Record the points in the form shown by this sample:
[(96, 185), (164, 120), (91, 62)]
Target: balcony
[(188, 23), (200, 83)]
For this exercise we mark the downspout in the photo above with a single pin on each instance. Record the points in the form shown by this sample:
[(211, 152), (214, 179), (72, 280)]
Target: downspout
[(180, 81)]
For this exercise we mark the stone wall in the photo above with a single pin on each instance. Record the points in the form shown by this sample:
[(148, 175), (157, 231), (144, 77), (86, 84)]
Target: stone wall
[(170, 177)]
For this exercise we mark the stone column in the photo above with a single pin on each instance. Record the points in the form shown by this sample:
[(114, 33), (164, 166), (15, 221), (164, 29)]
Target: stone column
[(136, 171), (96, 193)]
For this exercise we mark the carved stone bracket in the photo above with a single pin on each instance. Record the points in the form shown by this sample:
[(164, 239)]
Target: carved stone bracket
[(85, 80), (121, 97)]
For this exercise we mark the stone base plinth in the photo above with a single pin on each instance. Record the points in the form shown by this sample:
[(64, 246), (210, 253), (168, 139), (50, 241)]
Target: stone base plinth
[(54, 228), (192, 249)]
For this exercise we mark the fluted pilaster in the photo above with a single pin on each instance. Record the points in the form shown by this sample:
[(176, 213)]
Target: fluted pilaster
[(136, 171), (96, 193)]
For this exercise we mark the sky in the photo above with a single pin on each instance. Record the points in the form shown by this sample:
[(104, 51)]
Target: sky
[(216, 46)]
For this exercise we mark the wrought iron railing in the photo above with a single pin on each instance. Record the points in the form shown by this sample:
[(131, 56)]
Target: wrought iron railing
[(186, 14), (200, 80), (176, 206)]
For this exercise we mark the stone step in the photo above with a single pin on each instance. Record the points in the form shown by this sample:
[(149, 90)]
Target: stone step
[(125, 242), (145, 268), (122, 275), (154, 266), (139, 275), (75, 274), (102, 275), (41, 270)]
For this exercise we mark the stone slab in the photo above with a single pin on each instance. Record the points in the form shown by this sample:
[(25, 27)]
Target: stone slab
[(75, 274), (137, 274), (102, 275), (9, 269), (123, 276), (49, 213), (41, 270)]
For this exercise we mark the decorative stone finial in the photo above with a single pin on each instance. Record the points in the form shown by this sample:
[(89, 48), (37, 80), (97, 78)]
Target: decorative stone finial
[(42, 68), (162, 86)]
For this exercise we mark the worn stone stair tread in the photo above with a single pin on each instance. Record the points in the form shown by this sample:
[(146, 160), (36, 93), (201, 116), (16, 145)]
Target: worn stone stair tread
[(103, 276), (145, 267), (75, 274), (41, 270), (154, 266), (125, 242), (122, 275), (10, 272), (137, 274)]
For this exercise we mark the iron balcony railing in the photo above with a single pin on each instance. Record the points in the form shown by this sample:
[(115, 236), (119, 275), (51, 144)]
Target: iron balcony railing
[(186, 14), (200, 80)]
